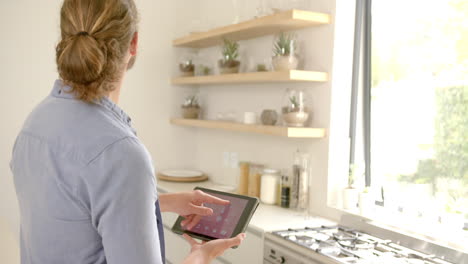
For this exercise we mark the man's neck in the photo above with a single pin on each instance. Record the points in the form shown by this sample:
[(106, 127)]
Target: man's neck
[(114, 95)]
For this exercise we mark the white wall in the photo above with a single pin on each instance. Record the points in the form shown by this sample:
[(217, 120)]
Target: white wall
[(316, 46), (29, 33)]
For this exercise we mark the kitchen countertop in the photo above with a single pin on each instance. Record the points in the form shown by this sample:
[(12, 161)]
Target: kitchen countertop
[(267, 218), (270, 218)]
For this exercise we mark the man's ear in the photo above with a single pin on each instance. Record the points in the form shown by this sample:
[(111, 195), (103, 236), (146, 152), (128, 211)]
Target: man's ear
[(134, 44)]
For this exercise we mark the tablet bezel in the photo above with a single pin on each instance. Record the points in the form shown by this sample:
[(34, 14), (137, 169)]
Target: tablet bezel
[(249, 210)]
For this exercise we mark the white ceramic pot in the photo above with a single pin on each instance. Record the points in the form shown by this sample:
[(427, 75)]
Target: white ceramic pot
[(365, 203), (350, 198), (285, 63), (296, 119)]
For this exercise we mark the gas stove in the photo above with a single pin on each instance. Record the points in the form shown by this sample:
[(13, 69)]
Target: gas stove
[(344, 245)]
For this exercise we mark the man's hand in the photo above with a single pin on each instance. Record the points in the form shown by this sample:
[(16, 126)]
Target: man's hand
[(189, 205), (205, 252)]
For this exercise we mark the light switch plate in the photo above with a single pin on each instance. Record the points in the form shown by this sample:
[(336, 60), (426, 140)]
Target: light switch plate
[(226, 159), (234, 160)]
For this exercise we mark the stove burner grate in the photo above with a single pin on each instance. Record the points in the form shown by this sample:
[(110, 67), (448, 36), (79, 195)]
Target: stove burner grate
[(351, 246)]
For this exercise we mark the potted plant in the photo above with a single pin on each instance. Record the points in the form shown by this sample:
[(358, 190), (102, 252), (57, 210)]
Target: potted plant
[(261, 67), (202, 70), (187, 68), (295, 113), (229, 62), (191, 108), (350, 193), (284, 58)]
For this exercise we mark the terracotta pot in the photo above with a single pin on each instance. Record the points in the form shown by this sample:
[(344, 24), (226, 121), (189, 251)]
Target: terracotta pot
[(191, 112), (186, 74), (227, 70), (285, 63), (227, 67)]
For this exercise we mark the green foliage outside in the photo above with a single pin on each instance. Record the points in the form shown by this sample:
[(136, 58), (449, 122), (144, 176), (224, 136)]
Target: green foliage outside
[(427, 172), (450, 146), (451, 139), (401, 58)]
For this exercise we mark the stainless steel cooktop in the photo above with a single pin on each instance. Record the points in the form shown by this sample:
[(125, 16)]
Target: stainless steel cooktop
[(345, 245)]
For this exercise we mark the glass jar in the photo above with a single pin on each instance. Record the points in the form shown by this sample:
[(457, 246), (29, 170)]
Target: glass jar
[(300, 181), (255, 173), (269, 186), (295, 112), (243, 186)]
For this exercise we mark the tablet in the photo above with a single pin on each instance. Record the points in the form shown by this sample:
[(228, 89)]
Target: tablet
[(226, 221)]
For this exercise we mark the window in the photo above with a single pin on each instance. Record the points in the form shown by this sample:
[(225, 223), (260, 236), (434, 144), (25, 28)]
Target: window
[(411, 124)]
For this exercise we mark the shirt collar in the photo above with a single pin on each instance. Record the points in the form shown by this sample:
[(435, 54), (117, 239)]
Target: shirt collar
[(61, 90)]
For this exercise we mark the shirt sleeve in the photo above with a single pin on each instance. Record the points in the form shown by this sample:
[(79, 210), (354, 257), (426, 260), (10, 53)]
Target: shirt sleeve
[(122, 197)]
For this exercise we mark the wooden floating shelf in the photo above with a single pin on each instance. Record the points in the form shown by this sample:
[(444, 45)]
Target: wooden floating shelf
[(255, 77), (271, 24), (290, 132)]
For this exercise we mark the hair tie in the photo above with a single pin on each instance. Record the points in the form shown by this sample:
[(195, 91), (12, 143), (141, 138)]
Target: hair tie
[(82, 33)]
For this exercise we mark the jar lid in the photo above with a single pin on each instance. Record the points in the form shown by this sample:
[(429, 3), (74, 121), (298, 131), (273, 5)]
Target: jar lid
[(270, 171)]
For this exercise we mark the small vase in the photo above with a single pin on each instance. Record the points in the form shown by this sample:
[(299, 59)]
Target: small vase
[(285, 63), (269, 117), (191, 112)]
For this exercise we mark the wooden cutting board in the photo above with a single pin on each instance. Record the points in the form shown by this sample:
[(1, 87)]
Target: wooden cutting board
[(182, 179)]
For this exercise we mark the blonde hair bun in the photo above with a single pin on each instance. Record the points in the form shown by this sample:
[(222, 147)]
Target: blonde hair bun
[(80, 59), (96, 36)]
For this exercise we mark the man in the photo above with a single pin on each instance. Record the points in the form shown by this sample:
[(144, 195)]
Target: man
[(84, 181)]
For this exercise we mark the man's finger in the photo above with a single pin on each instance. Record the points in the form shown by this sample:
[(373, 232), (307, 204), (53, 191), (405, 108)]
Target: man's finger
[(193, 221), (201, 210), (187, 220), (231, 242), (206, 198), (235, 241)]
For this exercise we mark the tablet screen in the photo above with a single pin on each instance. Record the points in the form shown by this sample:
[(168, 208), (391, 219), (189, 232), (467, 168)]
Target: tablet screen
[(223, 221)]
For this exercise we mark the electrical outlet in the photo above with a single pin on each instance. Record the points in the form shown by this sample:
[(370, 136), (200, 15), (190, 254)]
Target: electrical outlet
[(234, 160)]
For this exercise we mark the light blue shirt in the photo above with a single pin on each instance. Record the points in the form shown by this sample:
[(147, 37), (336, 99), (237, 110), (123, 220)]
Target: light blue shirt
[(85, 186)]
